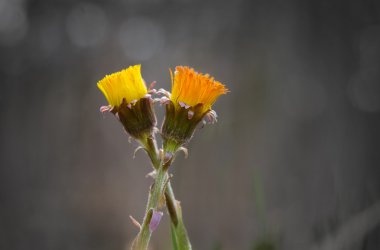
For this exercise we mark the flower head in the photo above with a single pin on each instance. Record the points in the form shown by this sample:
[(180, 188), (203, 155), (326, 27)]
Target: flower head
[(129, 100), (126, 84), (190, 88), (191, 99)]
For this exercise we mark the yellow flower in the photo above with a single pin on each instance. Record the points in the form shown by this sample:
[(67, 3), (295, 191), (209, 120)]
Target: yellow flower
[(129, 100), (190, 88), (126, 84)]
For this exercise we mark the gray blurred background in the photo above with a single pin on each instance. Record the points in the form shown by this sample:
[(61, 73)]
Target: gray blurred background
[(293, 162)]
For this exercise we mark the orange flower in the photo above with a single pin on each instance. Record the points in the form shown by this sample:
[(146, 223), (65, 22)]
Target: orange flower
[(191, 99), (190, 88)]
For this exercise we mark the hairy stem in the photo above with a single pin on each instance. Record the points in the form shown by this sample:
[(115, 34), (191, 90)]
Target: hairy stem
[(174, 209), (156, 194)]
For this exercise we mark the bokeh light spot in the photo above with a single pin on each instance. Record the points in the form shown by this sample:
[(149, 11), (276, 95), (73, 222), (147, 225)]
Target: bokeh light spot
[(86, 25), (13, 22), (141, 38)]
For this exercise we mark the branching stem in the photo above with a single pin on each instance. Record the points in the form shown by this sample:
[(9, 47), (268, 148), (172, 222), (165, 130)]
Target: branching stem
[(155, 195), (161, 187)]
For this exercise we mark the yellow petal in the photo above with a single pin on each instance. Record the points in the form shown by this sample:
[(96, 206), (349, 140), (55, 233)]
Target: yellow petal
[(126, 84)]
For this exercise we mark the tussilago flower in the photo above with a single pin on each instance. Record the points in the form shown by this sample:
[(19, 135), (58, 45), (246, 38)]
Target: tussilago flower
[(190, 88), (129, 100), (191, 99), (126, 84)]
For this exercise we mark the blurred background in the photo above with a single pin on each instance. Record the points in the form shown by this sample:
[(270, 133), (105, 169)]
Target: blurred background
[(293, 162)]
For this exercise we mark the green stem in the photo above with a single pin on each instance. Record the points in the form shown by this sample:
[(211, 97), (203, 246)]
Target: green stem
[(156, 194), (152, 150), (174, 209), (175, 212)]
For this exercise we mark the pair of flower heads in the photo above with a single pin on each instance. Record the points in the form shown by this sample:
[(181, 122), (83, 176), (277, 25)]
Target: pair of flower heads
[(188, 104)]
